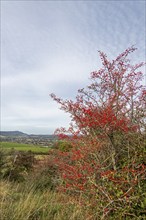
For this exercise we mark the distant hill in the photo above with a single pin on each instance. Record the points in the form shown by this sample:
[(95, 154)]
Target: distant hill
[(17, 134), (20, 137), (13, 133)]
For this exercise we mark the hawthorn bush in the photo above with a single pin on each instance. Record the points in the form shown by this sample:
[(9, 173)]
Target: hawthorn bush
[(106, 161)]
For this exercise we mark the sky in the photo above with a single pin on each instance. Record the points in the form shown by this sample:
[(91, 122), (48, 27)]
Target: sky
[(52, 46)]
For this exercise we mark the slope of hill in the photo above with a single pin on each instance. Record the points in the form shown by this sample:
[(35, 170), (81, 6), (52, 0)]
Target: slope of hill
[(13, 133)]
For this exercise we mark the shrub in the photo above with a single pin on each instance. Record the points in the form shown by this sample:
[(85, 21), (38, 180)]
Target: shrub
[(62, 145), (106, 163), (16, 165)]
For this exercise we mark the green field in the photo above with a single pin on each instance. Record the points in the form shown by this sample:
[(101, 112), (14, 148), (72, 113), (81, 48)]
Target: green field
[(23, 147)]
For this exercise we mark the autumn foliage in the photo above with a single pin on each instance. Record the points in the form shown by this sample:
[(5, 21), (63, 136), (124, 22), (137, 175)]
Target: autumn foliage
[(105, 161)]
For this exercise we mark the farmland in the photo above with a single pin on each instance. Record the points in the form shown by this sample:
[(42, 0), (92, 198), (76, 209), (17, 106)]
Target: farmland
[(9, 146)]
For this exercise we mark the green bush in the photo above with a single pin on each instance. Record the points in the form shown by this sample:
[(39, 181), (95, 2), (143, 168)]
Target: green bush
[(62, 145)]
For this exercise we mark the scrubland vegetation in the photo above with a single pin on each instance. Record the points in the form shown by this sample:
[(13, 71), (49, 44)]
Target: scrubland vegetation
[(97, 171)]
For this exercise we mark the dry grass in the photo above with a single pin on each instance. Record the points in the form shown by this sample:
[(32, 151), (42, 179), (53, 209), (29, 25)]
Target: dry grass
[(19, 202)]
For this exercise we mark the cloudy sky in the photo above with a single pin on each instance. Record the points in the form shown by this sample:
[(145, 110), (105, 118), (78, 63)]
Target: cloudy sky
[(51, 46)]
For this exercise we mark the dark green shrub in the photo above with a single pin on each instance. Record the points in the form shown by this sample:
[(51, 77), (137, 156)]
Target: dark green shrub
[(25, 160), (16, 166)]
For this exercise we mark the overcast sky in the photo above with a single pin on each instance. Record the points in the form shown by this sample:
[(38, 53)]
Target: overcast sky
[(51, 46)]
